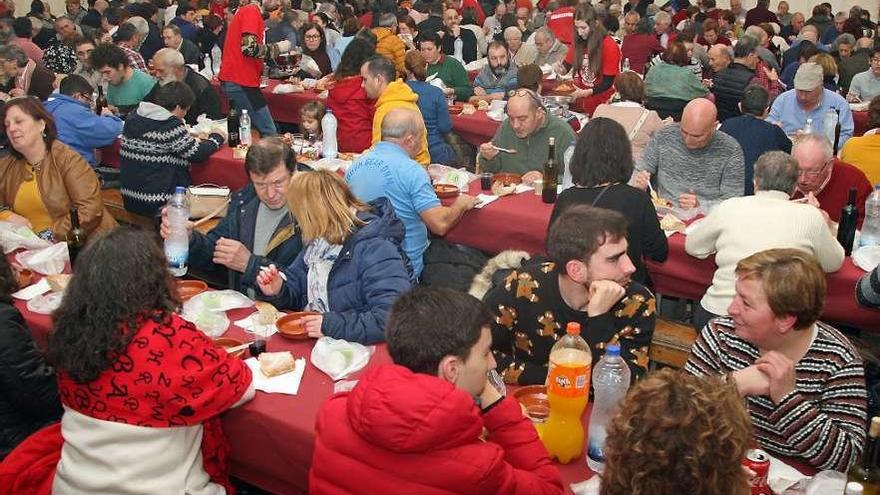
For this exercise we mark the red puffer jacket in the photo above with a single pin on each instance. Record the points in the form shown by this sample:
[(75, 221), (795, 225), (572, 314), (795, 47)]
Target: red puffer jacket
[(400, 432), (354, 114)]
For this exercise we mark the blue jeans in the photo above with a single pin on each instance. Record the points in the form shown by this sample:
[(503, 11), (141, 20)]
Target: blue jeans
[(261, 119)]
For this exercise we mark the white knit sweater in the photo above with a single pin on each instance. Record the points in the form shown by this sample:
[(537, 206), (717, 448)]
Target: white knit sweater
[(740, 227)]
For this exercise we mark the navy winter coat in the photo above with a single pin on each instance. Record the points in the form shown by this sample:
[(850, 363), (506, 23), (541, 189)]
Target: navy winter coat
[(367, 277)]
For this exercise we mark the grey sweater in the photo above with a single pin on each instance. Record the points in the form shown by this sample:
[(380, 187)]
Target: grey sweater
[(715, 172)]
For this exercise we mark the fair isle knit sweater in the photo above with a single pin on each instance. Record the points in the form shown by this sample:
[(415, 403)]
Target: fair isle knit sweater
[(822, 421), (155, 155), (715, 172)]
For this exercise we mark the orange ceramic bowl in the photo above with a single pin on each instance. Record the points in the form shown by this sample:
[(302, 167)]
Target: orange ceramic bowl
[(226, 342), (534, 401), (446, 190), (186, 289), (23, 277), (290, 326), (507, 178)]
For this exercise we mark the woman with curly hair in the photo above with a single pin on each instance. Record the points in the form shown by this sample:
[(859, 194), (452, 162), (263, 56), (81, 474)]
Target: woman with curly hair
[(28, 393), (677, 433), (142, 388)]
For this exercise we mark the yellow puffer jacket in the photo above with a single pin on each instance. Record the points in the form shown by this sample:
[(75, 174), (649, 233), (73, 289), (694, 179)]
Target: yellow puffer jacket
[(391, 46), (398, 95)]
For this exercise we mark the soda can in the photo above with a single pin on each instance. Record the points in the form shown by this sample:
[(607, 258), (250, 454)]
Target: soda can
[(759, 462)]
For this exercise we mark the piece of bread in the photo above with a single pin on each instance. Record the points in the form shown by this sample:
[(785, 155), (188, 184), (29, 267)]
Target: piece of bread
[(276, 363), (267, 314)]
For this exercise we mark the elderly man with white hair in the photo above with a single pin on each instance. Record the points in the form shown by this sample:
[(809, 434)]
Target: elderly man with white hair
[(169, 66), (521, 53), (550, 50), (663, 28)]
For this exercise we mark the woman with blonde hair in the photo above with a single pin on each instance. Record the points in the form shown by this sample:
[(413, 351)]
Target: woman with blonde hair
[(352, 268), (677, 433), (829, 70)]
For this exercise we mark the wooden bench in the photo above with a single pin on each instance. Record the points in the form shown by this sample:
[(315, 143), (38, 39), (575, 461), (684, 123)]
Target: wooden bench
[(672, 343), (113, 202)]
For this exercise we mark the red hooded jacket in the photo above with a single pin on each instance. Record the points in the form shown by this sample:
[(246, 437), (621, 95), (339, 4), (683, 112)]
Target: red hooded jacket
[(354, 114), (400, 432)]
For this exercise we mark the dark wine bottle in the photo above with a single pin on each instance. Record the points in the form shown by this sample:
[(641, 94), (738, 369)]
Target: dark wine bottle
[(76, 236), (232, 124), (551, 174), (101, 101), (865, 471), (846, 228), (836, 147)]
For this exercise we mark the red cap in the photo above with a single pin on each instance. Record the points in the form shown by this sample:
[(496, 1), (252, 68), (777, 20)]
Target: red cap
[(573, 328)]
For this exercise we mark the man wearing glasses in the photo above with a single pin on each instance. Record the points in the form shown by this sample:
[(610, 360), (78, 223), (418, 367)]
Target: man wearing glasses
[(865, 86), (810, 100), (824, 180), (258, 229)]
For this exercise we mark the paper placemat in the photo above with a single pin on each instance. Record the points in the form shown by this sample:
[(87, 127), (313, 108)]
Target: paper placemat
[(32, 291), (288, 383)]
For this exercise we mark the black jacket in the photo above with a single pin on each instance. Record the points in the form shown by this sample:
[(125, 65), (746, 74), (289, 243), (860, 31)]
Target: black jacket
[(239, 224), (28, 390), (728, 87), (469, 45), (207, 102)]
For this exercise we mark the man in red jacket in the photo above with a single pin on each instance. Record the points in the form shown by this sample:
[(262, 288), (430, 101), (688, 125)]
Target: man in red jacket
[(417, 426)]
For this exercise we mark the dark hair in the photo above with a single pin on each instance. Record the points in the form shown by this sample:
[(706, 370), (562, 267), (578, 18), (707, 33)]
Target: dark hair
[(643, 26), (174, 28), (120, 280), (676, 54), (184, 8), (728, 16), (468, 16), (530, 77), (630, 87), (350, 26), (746, 46), (308, 27), (356, 53), (874, 113), (409, 21), (418, 340), (75, 83), (212, 22), (711, 25), (127, 31), (755, 100), (611, 23), (35, 109), (108, 55), (377, 65), (686, 35), (808, 49), (22, 27), (174, 94), (580, 231), (602, 154), (593, 44), (82, 40), (264, 155), (8, 282), (430, 36)]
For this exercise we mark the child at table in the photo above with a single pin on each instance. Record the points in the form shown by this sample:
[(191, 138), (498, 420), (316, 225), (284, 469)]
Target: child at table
[(310, 116)]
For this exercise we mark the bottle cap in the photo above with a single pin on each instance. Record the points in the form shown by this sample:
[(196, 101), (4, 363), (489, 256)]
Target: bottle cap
[(573, 328), (612, 350), (874, 428), (180, 189), (854, 488)]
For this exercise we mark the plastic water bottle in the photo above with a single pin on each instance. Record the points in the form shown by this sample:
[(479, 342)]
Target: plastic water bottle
[(611, 378), (244, 128), (177, 243), (625, 67), (871, 226), (808, 127), (828, 124), (328, 128)]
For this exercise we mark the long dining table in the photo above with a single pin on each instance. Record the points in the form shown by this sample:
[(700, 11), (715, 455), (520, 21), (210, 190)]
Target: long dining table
[(272, 437), (520, 222)]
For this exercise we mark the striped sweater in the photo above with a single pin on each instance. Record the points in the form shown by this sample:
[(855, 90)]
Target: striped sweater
[(155, 155), (823, 420)]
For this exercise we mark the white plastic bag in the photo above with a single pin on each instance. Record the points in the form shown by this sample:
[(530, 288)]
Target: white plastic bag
[(340, 358), (443, 174), (48, 261), (207, 311), (14, 236)]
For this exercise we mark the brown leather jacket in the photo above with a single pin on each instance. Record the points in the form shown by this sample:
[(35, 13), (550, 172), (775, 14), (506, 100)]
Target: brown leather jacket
[(64, 180)]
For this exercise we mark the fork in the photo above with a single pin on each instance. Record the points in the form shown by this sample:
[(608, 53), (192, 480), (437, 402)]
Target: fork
[(504, 150)]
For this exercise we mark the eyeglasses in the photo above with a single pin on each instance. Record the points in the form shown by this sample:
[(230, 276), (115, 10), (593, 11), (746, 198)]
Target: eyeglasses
[(526, 92), (812, 174), (313, 36), (875, 60)]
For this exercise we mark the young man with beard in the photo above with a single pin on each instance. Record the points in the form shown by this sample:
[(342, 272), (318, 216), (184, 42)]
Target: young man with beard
[(498, 76), (585, 280)]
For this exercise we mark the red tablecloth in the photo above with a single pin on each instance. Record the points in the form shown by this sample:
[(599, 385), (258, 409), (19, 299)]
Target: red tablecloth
[(476, 128), (221, 168), (284, 108), (520, 222), (860, 119)]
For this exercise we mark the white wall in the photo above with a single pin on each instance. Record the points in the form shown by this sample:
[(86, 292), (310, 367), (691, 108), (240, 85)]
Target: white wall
[(806, 7)]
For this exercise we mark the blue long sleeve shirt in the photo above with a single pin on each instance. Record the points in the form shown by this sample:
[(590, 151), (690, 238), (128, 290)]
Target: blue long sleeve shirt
[(80, 128), (792, 117)]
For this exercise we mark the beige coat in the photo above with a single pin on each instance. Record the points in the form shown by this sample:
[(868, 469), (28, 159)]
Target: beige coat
[(627, 114)]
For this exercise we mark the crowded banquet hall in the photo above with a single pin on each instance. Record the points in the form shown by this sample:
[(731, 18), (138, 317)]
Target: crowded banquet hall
[(461, 247)]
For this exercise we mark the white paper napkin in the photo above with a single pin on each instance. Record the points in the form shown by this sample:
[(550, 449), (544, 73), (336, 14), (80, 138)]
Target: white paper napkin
[(32, 291), (781, 476), (521, 188), (484, 199), (288, 383), (252, 324)]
